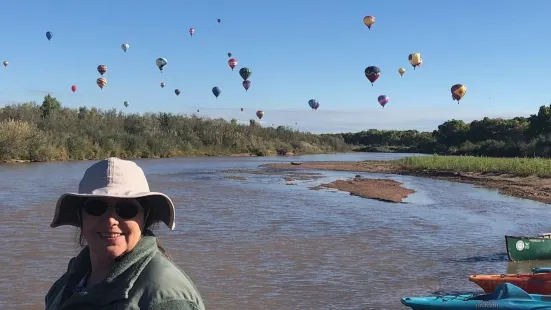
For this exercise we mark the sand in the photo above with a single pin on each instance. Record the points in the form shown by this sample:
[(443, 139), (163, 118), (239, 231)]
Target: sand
[(534, 188)]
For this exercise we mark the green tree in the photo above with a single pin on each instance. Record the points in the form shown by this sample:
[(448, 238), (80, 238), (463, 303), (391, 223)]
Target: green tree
[(49, 105)]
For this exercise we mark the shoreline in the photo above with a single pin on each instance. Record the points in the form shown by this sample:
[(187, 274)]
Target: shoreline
[(530, 187), (289, 154)]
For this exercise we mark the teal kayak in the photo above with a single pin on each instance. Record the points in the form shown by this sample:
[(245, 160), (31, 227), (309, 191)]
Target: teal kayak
[(505, 296), (541, 269)]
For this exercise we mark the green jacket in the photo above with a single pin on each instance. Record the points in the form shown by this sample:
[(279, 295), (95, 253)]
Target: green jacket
[(142, 279)]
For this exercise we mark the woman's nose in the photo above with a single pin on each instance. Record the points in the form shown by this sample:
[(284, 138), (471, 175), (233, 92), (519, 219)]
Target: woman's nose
[(112, 216)]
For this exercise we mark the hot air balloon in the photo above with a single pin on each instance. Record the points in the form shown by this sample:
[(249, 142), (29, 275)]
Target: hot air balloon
[(197, 110), (102, 82), (259, 114), (5, 63), (219, 20), (245, 73), (369, 21), (314, 104), (372, 73), (74, 88), (49, 35), (458, 91), (191, 31), (402, 71), (126, 104), (161, 63), (102, 69), (383, 100), (246, 85), (163, 84), (232, 63), (125, 47), (177, 92), (241, 109), (415, 60), (229, 55), (216, 91)]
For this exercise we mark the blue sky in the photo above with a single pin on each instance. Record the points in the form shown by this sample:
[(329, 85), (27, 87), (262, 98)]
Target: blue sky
[(297, 50)]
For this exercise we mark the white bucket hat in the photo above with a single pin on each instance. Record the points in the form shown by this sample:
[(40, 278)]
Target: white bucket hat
[(113, 177)]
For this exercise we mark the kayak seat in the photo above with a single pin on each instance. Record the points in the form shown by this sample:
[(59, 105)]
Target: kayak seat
[(508, 291)]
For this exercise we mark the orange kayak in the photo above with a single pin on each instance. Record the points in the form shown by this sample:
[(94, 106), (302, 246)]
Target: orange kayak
[(532, 283)]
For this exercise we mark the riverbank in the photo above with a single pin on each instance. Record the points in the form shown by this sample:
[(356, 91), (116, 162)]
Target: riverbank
[(193, 154), (51, 132), (522, 178)]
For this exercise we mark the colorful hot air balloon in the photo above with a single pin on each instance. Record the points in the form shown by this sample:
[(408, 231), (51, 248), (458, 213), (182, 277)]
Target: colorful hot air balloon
[(191, 31), (163, 84), (260, 114), (219, 20), (102, 69), (458, 91), (125, 47), (216, 91), (314, 104), (241, 109), (229, 55), (369, 21), (372, 73), (102, 82), (49, 35), (161, 63), (245, 73), (383, 100), (246, 85), (177, 92), (232, 63), (5, 63), (415, 60), (402, 71), (74, 88), (126, 103)]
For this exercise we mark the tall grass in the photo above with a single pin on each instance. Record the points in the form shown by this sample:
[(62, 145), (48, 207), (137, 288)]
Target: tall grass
[(515, 166)]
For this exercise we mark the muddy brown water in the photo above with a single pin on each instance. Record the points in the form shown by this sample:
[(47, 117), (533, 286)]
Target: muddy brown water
[(256, 242)]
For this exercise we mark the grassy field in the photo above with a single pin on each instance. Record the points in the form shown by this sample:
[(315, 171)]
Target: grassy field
[(515, 166)]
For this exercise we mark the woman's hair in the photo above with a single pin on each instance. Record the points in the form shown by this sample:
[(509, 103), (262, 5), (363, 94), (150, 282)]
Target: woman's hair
[(147, 231)]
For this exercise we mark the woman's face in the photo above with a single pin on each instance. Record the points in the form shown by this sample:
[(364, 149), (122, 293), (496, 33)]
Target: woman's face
[(112, 226)]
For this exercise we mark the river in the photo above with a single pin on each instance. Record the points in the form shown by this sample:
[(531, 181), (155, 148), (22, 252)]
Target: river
[(261, 244)]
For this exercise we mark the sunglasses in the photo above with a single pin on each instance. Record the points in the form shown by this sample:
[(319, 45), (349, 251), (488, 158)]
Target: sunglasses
[(124, 209)]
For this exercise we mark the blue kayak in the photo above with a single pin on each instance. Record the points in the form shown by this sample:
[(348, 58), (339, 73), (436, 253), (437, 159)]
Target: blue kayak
[(541, 269), (505, 296)]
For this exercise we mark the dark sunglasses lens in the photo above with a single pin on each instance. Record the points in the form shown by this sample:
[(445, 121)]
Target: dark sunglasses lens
[(126, 210), (95, 207)]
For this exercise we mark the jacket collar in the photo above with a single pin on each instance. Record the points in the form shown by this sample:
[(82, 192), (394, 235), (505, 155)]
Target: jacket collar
[(118, 283)]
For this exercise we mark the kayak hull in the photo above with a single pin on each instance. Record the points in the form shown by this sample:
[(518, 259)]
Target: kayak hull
[(505, 296), (443, 303), (528, 248), (537, 283)]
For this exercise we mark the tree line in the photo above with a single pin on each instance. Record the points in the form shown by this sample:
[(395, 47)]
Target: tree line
[(49, 131), (494, 137)]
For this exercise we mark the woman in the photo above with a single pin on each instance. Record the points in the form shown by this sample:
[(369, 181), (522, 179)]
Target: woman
[(123, 266)]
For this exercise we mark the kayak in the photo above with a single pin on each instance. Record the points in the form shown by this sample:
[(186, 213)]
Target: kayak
[(541, 269), (505, 296), (532, 283), (528, 248)]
